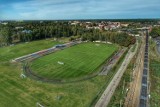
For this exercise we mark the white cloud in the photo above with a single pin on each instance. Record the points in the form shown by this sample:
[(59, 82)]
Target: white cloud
[(57, 9)]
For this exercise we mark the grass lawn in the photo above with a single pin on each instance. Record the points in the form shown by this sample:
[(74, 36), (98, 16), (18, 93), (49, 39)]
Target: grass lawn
[(79, 60), (155, 83), (154, 76), (11, 52), (18, 92)]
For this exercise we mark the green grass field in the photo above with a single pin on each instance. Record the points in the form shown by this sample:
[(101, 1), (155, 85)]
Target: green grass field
[(79, 60), (154, 76), (155, 83), (18, 92), (11, 52)]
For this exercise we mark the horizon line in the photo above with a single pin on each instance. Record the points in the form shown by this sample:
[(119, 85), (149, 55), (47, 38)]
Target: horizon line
[(80, 19)]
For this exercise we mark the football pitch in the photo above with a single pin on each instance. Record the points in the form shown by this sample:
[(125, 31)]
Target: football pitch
[(25, 92), (77, 61)]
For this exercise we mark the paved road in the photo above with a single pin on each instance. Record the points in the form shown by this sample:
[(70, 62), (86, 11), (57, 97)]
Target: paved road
[(107, 94)]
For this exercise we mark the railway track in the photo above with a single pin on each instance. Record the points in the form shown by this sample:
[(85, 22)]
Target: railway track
[(144, 100), (138, 94), (130, 100)]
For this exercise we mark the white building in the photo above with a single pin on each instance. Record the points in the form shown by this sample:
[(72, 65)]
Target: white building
[(4, 23)]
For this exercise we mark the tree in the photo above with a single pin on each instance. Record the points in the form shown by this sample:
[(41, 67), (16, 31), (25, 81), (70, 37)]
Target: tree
[(155, 32), (6, 35)]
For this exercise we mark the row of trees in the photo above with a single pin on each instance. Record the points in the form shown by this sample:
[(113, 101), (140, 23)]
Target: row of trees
[(9, 34), (122, 39)]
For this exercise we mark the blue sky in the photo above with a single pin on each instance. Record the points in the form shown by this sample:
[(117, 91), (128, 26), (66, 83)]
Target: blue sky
[(78, 9)]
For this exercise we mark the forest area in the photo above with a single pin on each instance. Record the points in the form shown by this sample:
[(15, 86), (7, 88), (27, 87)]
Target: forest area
[(16, 32)]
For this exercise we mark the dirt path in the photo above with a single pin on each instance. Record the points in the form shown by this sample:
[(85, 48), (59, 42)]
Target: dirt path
[(132, 99)]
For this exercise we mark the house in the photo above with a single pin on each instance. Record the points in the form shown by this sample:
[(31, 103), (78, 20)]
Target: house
[(101, 26), (4, 23), (124, 25), (88, 22), (19, 27), (96, 27), (89, 27), (106, 28), (27, 31), (75, 23), (112, 26)]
